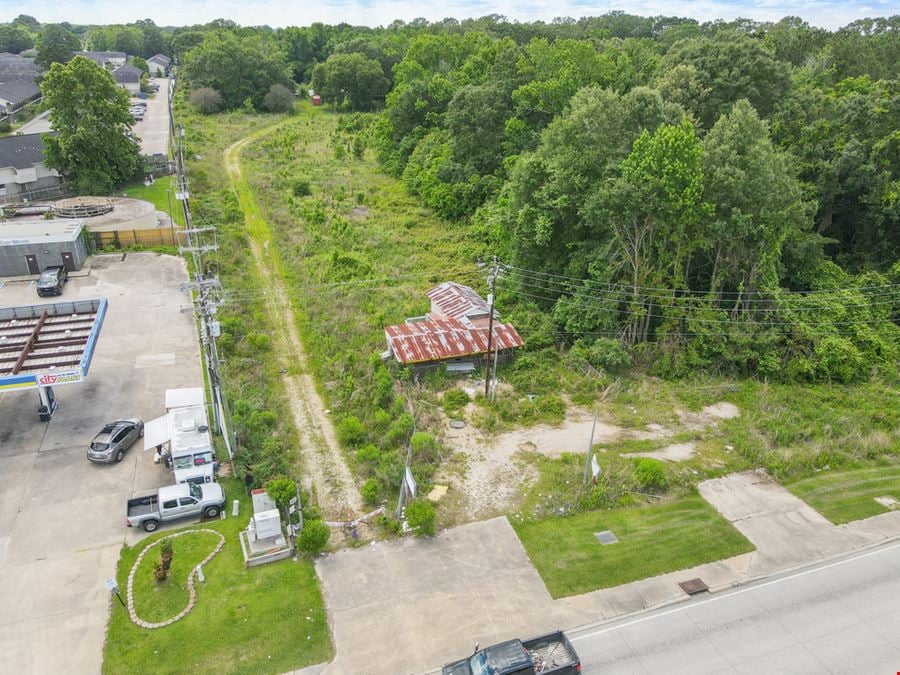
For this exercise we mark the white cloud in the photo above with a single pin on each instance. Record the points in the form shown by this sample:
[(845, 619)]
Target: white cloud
[(829, 14)]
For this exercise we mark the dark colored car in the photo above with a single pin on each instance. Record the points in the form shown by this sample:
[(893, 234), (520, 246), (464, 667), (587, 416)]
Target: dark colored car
[(114, 439), (51, 280)]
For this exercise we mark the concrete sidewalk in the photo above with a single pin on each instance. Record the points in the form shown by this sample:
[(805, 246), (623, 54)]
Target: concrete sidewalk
[(407, 606)]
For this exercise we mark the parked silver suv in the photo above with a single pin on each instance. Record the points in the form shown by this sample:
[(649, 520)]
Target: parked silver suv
[(114, 439)]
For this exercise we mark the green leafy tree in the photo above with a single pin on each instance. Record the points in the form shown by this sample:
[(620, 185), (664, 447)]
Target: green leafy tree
[(90, 114), (726, 69), (128, 39), (55, 44), (15, 39), (759, 204), (152, 39), (206, 100), (350, 80), (28, 22), (240, 68), (280, 99)]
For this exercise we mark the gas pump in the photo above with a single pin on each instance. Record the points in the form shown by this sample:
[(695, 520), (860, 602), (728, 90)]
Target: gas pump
[(48, 403)]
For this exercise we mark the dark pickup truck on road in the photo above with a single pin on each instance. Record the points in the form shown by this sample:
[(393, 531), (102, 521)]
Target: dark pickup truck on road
[(551, 653)]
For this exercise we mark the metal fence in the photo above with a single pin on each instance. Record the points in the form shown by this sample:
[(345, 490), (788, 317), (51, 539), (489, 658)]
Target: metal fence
[(36, 195), (125, 238)]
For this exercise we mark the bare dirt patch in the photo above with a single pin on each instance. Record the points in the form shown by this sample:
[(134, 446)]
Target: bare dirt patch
[(496, 470), (678, 452)]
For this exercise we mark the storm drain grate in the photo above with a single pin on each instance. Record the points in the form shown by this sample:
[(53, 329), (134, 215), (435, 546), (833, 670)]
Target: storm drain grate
[(606, 537), (693, 586)]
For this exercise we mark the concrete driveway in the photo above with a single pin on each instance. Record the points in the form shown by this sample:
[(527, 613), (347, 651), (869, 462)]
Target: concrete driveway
[(62, 517), (153, 130), (402, 606)]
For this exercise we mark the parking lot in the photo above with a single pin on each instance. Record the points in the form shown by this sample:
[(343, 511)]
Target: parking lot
[(62, 518), (153, 130)]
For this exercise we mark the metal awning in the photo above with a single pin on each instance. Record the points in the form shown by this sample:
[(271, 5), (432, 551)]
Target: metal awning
[(156, 432)]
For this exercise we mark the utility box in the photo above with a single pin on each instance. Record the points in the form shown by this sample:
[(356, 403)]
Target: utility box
[(268, 524), (316, 99)]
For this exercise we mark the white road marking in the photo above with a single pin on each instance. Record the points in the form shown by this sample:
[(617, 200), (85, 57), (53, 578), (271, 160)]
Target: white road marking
[(685, 606)]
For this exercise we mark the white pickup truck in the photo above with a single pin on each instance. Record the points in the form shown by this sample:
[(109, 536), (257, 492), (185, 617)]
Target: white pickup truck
[(173, 502)]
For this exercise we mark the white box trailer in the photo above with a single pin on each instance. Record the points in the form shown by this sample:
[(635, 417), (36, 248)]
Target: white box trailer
[(185, 429)]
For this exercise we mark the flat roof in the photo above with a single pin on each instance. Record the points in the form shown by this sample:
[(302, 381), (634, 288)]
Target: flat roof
[(48, 345), (40, 231)]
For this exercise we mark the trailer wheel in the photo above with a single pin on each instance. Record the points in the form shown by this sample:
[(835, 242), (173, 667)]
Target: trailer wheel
[(211, 511), (150, 525)]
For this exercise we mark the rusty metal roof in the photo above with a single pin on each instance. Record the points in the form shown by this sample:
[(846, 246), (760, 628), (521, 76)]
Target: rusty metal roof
[(458, 302), (439, 339), (46, 339)]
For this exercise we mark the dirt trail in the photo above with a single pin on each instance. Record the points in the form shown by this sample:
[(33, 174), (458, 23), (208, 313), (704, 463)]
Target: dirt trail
[(324, 465)]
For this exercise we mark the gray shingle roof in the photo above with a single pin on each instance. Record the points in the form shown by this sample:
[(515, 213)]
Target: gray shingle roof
[(21, 152), (161, 59), (127, 73), (19, 91)]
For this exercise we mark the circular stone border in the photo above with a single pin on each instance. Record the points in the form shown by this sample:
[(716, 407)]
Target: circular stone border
[(190, 580)]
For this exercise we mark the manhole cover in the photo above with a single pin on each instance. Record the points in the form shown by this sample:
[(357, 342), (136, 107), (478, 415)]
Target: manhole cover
[(606, 537), (457, 424), (693, 586)]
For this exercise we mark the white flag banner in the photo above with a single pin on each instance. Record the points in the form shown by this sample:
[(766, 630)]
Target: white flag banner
[(595, 466)]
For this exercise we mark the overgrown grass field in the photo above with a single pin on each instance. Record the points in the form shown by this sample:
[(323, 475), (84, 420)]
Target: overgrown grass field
[(652, 540), (268, 619)]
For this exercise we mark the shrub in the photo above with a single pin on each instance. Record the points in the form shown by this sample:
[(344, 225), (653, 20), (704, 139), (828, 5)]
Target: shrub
[(279, 99), (420, 517), (454, 400), (301, 188), (370, 492), (314, 537), (650, 474), (368, 453), (351, 431), (206, 100), (425, 447), (259, 341), (281, 489)]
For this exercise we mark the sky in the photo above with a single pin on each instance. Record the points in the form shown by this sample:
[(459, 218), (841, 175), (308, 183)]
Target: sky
[(829, 14)]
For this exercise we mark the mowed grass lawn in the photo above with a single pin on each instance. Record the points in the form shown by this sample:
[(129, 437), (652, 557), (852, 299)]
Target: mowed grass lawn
[(652, 540), (156, 195), (843, 496), (268, 619)]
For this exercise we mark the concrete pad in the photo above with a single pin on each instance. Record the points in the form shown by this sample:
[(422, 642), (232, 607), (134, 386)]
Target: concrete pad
[(785, 530), (470, 583), (61, 516)]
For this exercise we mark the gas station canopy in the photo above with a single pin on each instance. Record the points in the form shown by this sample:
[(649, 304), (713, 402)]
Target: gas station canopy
[(48, 345)]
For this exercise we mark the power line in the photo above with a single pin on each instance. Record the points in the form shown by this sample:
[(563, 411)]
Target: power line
[(735, 322), (616, 299), (685, 291)]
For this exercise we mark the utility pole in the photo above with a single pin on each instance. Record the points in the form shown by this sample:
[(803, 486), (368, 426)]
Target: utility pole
[(204, 289), (492, 280)]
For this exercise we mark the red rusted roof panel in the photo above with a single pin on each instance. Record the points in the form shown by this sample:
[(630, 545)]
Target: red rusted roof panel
[(457, 301), (439, 339)]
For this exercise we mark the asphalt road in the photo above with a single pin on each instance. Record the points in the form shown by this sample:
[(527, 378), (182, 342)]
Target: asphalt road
[(840, 617), (153, 130)]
